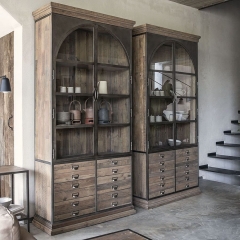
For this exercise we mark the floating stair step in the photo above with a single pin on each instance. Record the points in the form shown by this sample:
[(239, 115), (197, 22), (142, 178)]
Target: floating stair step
[(238, 112), (235, 122), (223, 144), (214, 155), (229, 132), (218, 170)]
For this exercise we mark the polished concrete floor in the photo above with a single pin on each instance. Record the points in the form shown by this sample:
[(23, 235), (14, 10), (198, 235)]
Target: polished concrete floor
[(212, 215)]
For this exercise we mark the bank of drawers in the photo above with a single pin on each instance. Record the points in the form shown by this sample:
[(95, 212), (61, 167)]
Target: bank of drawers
[(113, 182), (161, 173), (74, 189), (186, 168)]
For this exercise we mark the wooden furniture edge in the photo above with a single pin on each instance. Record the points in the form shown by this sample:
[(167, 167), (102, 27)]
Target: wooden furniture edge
[(148, 28), (66, 10), (54, 230), (138, 202)]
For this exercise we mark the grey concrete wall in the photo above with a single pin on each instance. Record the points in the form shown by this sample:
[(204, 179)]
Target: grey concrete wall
[(219, 57)]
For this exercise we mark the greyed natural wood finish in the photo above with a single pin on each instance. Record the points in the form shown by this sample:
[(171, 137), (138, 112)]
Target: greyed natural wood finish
[(148, 28), (139, 175), (184, 185), (162, 177), (82, 14), (6, 110), (43, 90), (112, 171), (114, 186), (161, 167), (186, 155), (161, 157), (114, 162), (43, 186), (85, 221), (199, 4), (114, 178), (165, 199), (73, 167), (139, 93)]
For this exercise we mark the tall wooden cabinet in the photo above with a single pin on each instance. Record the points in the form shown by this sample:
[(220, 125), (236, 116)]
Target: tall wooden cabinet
[(165, 118), (83, 160)]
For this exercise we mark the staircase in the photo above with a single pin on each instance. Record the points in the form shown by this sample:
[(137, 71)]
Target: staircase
[(224, 164)]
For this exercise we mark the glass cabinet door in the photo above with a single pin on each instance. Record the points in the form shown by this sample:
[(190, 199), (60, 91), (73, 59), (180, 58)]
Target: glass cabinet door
[(74, 90)]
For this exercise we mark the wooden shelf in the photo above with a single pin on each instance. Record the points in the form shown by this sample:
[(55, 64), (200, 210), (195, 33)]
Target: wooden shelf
[(74, 94), (218, 170), (161, 149), (65, 126), (113, 96), (83, 157), (111, 67), (160, 123), (160, 97), (186, 121), (182, 146), (190, 97), (114, 125), (70, 63), (215, 155)]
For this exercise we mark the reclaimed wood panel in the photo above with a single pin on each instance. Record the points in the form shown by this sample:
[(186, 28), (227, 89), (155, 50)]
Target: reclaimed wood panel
[(43, 90), (114, 179), (43, 188), (199, 4), (161, 156), (112, 187), (106, 163), (6, 110), (139, 93)]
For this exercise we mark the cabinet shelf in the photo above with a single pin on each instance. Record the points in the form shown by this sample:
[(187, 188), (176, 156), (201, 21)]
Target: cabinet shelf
[(64, 126), (70, 63), (161, 123), (112, 67), (74, 94), (186, 121), (114, 125), (113, 96), (161, 97), (74, 158)]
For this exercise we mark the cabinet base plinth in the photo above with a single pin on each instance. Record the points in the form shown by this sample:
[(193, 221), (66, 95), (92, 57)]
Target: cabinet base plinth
[(85, 221), (156, 202)]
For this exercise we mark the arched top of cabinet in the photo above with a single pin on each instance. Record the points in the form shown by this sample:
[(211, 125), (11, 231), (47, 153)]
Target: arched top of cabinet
[(148, 28), (66, 10)]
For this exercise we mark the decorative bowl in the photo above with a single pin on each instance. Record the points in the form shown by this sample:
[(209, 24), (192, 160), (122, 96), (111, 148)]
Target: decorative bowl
[(63, 117), (171, 142), (5, 201)]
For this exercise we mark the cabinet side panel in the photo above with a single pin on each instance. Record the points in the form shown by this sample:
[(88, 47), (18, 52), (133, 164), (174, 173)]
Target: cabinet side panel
[(139, 175), (139, 93), (43, 190), (43, 90)]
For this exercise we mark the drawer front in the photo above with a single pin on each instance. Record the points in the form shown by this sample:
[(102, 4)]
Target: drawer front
[(81, 173), (71, 167), (74, 214), (74, 194), (193, 176), (185, 185), (108, 163), (161, 167), (66, 186), (156, 157), (80, 204), (112, 186), (114, 178), (161, 192), (157, 178), (111, 171), (186, 168), (187, 154), (168, 183), (115, 199)]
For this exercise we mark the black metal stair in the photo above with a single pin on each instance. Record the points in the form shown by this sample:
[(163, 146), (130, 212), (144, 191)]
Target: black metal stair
[(218, 170), (223, 144), (235, 122), (229, 132), (214, 155)]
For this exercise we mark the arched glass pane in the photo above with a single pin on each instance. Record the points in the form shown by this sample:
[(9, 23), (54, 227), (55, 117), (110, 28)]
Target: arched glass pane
[(183, 60), (110, 50), (162, 59)]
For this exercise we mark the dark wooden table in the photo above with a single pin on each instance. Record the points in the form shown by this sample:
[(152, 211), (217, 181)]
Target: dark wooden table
[(12, 170)]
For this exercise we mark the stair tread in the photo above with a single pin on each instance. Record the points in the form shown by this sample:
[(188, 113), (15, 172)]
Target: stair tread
[(235, 122), (214, 155), (228, 144), (229, 132), (218, 170)]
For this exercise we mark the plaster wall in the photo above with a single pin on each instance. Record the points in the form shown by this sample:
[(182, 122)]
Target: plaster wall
[(219, 58)]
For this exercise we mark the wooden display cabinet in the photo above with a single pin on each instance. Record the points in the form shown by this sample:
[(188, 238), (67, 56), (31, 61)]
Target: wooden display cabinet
[(164, 116), (83, 167)]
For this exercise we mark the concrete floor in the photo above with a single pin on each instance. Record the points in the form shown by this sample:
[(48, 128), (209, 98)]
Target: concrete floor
[(212, 215)]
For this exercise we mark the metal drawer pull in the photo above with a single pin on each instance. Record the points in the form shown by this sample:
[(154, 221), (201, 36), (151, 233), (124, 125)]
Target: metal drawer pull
[(187, 165), (75, 167), (187, 152), (161, 163), (75, 195), (187, 186), (74, 204), (186, 172), (162, 192), (76, 185), (187, 178), (162, 170), (114, 170), (187, 159), (115, 187), (76, 176), (114, 204), (114, 179), (162, 178), (161, 155), (162, 185), (75, 213), (114, 195), (114, 162)]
